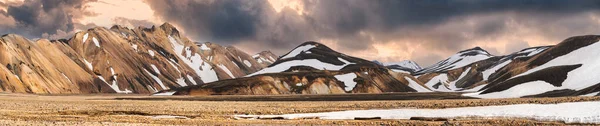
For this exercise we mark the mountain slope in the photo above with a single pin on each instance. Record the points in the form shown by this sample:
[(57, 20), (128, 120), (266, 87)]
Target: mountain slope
[(39, 67), (567, 69)]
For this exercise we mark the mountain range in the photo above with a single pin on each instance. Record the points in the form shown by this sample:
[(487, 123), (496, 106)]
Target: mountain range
[(161, 61), (118, 60)]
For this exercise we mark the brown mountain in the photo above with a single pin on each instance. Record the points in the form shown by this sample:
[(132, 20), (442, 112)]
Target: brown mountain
[(116, 60)]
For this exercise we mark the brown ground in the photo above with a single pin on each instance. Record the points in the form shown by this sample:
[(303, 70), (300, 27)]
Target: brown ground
[(88, 110)]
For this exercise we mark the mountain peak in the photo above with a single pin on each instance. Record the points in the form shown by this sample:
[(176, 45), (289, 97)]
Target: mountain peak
[(476, 49), (305, 48), (167, 25), (119, 27)]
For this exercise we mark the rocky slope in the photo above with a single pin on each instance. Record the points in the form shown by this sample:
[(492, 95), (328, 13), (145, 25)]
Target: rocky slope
[(117, 60), (311, 68), (547, 71)]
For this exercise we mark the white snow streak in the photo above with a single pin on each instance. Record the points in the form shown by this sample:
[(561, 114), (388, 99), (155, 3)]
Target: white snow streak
[(63, 74), (88, 64), (298, 50), (414, 85), (226, 70), (247, 63), (488, 72), (96, 41), (165, 93), (155, 68), (314, 63), (114, 86), (85, 37), (156, 79)]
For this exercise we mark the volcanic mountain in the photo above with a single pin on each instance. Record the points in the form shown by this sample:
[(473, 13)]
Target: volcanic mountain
[(311, 68), (116, 60), (405, 66)]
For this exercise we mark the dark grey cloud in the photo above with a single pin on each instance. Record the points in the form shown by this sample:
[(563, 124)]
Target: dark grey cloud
[(433, 29), (43, 18), (235, 21), (219, 20)]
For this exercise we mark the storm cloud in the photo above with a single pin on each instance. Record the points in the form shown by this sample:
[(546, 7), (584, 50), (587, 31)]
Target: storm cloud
[(43, 18), (425, 31)]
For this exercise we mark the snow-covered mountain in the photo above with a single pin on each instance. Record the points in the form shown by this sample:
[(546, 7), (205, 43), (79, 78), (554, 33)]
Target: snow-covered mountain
[(457, 60), (265, 58), (567, 69), (116, 60), (312, 68), (475, 75), (405, 66)]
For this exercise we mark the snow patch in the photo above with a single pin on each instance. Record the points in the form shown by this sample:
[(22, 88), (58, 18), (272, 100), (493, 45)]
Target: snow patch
[(157, 80), (165, 93), (85, 37), (414, 85), (574, 112), (298, 50), (348, 80), (135, 47), (96, 41), (443, 79), (529, 88), (65, 76), (314, 63), (114, 86), (488, 72), (155, 68), (151, 53), (88, 64), (191, 79), (247, 63), (204, 47)]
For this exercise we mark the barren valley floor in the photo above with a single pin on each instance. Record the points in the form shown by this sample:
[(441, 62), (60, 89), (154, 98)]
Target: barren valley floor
[(26, 109)]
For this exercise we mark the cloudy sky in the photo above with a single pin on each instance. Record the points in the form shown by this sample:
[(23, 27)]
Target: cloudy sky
[(425, 31)]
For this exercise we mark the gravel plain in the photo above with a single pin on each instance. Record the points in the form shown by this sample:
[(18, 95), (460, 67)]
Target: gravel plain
[(27, 109)]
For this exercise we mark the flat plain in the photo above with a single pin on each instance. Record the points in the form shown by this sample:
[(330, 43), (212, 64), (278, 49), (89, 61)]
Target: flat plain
[(27, 109)]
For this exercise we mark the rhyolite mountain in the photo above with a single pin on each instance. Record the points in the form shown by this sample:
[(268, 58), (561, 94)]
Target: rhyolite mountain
[(565, 69), (117, 60), (311, 68)]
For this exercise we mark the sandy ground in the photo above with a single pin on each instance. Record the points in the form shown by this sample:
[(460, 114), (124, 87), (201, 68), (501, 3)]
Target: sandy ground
[(24, 109)]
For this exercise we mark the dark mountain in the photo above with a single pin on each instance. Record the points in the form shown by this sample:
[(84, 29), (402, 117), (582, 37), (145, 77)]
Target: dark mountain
[(311, 68)]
